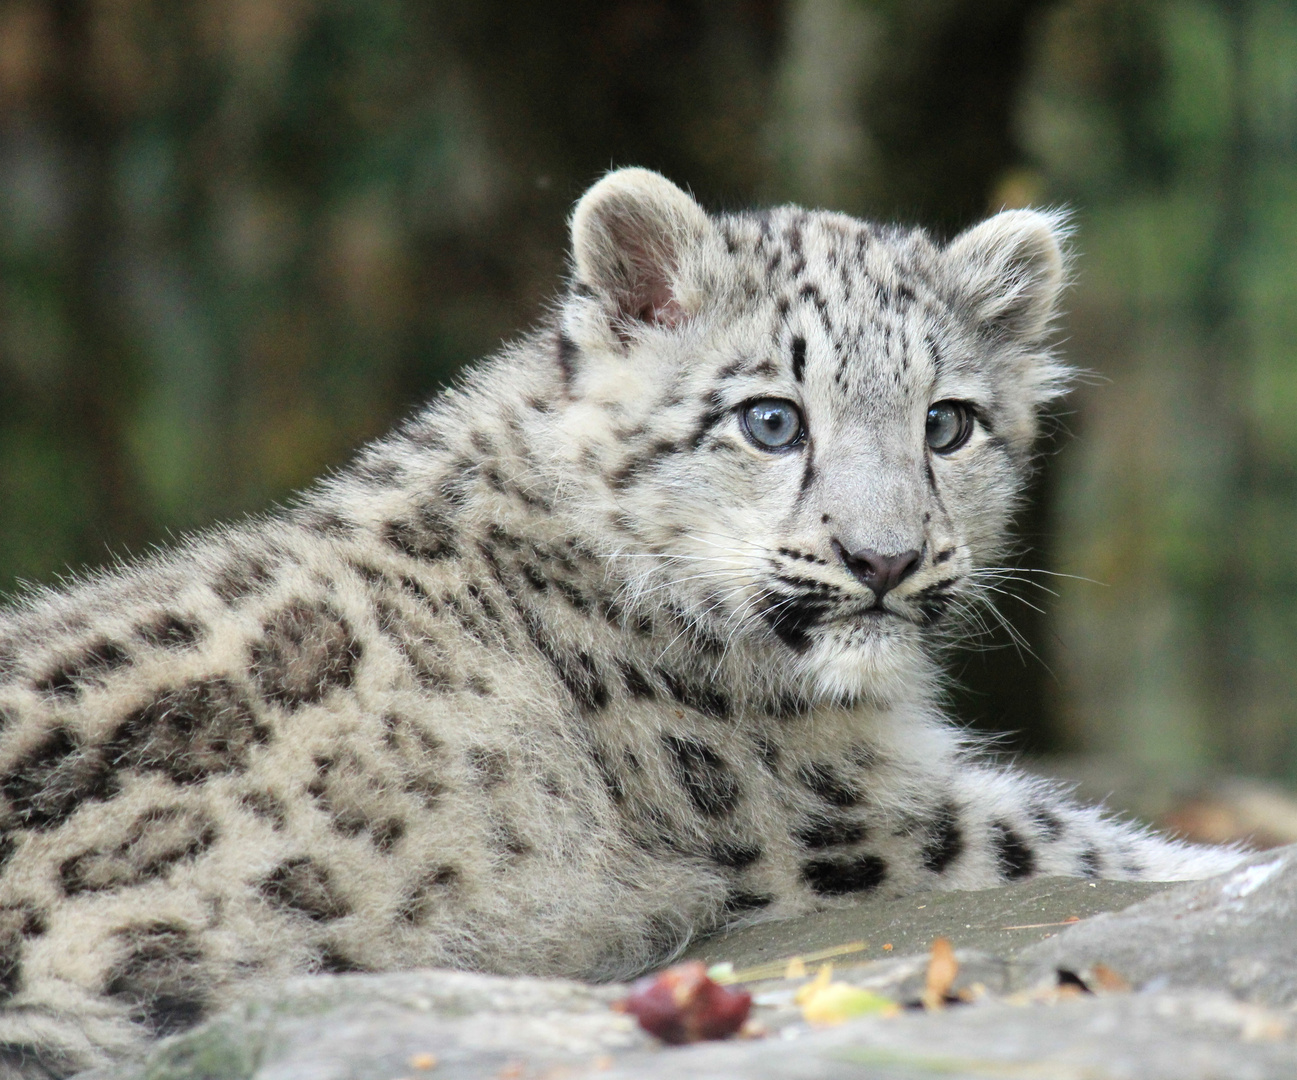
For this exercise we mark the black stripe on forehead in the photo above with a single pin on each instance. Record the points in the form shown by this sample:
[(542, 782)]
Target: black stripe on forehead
[(799, 357), (934, 351)]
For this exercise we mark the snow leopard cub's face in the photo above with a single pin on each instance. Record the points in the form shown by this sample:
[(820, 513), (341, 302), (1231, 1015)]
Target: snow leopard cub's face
[(821, 425)]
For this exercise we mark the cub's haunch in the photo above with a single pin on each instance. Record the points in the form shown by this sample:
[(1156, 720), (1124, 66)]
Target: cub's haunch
[(632, 634)]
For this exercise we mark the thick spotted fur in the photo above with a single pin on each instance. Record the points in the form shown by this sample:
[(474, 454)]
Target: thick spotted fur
[(567, 670)]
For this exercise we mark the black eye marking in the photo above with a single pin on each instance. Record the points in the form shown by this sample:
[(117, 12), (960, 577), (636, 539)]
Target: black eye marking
[(772, 423), (950, 423), (799, 357)]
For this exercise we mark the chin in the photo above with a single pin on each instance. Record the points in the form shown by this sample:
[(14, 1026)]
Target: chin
[(880, 658)]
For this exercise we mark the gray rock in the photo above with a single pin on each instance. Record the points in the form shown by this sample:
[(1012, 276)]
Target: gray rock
[(1236, 933), (1214, 966), (1001, 921)]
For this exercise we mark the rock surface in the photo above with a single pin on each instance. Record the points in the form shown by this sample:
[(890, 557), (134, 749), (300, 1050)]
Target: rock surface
[(1212, 970)]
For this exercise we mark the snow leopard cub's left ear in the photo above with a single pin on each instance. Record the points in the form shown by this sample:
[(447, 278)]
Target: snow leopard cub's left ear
[(630, 233), (1010, 270)]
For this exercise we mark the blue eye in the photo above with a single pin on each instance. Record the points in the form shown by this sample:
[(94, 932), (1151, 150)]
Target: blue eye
[(950, 423), (773, 423)]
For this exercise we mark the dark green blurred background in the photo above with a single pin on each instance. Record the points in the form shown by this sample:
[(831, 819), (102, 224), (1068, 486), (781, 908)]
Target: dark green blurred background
[(239, 237)]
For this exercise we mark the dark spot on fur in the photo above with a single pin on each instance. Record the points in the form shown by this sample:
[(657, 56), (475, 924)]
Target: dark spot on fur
[(1090, 863), (429, 535), (491, 766), (1049, 823), (640, 465), (825, 832), (510, 842), (47, 785), (736, 903), (1013, 857), (838, 877), (708, 700), (485, 604), (327, 523), (18, 923), (735, 855), (424, 653), (333, 961), (88, 667), (265, 805), (306, 650), (822, 780), (636, 682), (944, 842), (610, 777), (768, 750), (386, 833), (303, 885), (170, 632), (706, 779), (160, 977), (189, 733), (157, 840), (786, 706), (576, 670), (378, 473), (428, 894), (572, 595), (241, 578)]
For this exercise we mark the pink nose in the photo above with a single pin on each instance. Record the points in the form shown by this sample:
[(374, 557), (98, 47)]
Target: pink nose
[(879, 573)]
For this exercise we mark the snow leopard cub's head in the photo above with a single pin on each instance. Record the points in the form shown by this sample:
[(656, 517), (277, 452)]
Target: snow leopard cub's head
[(819, 424)]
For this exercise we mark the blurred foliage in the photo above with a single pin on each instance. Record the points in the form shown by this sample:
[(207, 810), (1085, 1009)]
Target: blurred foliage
[(239, 238), (1172, 128)]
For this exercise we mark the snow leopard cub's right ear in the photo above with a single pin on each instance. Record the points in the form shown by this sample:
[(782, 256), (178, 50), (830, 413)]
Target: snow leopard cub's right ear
[(1010, 270), (630, 233)]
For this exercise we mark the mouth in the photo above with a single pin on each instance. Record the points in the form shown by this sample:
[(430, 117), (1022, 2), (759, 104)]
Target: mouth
[(876, 614)]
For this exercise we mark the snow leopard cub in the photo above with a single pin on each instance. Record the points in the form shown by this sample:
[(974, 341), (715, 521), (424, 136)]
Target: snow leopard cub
[(627, 637)]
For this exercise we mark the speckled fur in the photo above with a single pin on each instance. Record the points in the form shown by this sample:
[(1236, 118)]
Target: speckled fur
[(565, 671)]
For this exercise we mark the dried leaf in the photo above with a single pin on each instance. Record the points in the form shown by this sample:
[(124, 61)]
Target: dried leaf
[(1104, 978), (682, 1005), (840, 1001), (942, 969)]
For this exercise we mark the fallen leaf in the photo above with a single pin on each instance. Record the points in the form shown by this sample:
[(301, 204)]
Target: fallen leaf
[(942, 969), (682, 1005), (825, 1002), (1103, 977), (423, 1061)]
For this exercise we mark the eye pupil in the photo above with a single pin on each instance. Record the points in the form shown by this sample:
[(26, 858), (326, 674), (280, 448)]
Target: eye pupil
[(772, 423), (950, 423)]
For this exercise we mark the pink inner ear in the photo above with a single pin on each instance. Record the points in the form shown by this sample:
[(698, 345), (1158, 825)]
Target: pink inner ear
[(648, 297), (661, 309)]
